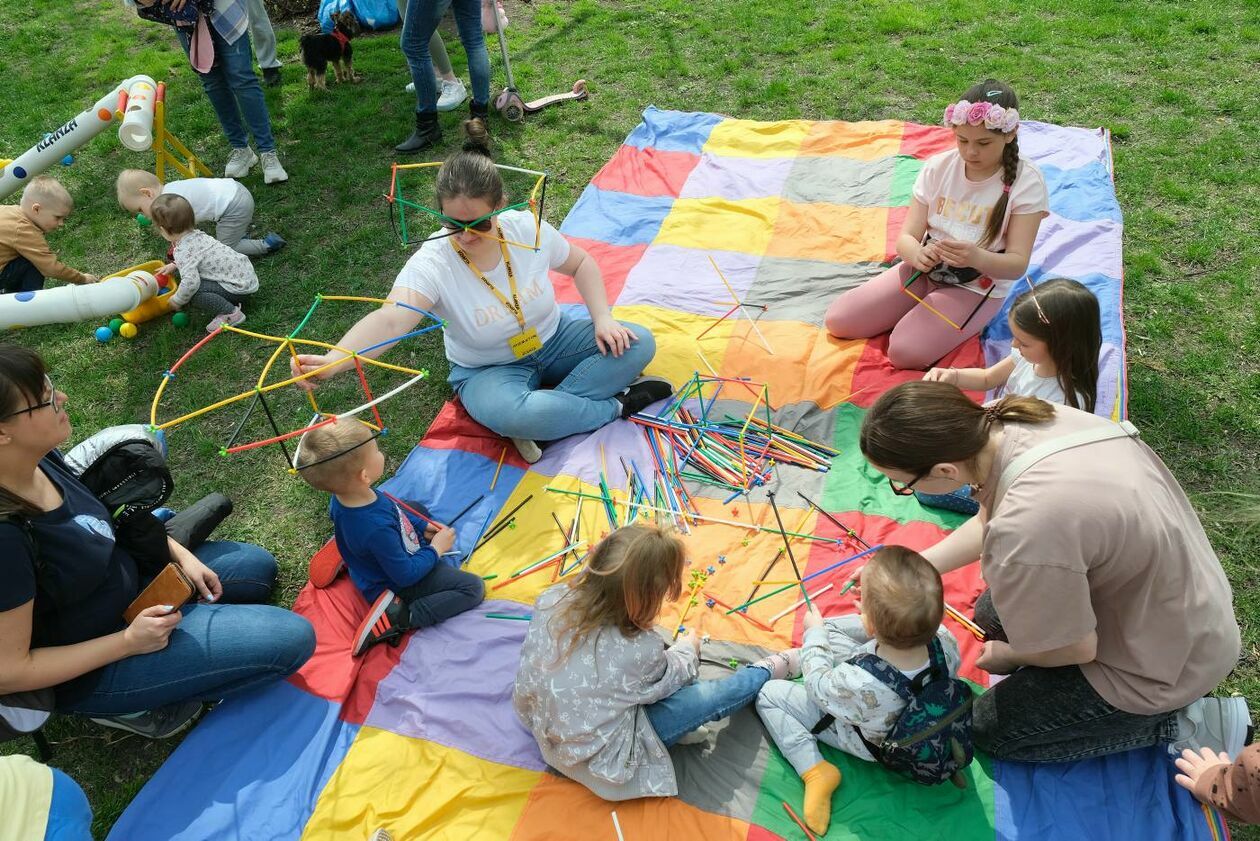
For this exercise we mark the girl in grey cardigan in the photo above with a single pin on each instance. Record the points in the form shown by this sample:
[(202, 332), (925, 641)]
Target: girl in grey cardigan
[(597, 687)]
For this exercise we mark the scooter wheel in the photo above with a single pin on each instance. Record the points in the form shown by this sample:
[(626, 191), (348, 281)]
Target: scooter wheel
[(514, 112)]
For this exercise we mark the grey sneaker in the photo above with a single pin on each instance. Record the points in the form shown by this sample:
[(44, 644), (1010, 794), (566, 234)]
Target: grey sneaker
[(381, 835), (1222, 724), (161, 723), (240, 162), (273, 172), (696, 737), (451, 94), (529, 450)]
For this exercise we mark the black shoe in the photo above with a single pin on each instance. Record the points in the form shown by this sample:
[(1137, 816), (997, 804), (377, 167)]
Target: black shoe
[(642, 393), (387, 621), (427, 133), (161, 723), (271, 77), (480, 112)]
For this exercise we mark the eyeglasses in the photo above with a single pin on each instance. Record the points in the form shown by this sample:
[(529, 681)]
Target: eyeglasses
[(481, 225), (1032, 293), (905, 488), (51, 401)]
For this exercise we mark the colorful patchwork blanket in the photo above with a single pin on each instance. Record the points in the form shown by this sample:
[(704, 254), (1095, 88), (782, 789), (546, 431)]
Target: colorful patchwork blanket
[(422, 739)]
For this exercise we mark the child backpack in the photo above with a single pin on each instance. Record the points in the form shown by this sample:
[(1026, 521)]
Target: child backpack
[(930, 742)]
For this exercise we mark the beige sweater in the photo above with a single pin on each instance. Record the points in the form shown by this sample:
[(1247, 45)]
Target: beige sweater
[(19, 237)]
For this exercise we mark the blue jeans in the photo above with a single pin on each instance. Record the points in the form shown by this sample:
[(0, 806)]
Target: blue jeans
[(704, 701), (419, 24), (565, 388), (216, 650), (233, 89)]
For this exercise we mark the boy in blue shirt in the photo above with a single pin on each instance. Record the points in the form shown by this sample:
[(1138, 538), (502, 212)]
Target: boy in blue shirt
[(394, 558)]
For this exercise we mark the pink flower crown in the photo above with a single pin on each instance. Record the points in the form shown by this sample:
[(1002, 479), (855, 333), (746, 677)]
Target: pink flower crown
[(993, 117)]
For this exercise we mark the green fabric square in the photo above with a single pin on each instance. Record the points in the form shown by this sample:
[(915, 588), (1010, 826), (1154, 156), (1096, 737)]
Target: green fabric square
[(905, 170), (853, 485)]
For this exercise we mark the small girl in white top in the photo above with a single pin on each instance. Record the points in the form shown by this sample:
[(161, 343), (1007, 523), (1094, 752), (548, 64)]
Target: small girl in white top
[(1056, 335), (967, 237)]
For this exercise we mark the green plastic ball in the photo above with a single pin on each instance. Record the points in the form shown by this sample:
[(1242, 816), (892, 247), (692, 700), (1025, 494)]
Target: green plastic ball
[(180, 319), (115, 324)]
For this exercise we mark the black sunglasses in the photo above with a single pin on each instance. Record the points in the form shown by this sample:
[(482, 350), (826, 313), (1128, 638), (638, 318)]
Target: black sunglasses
[(51, 401), (906, 488), (483, 225)]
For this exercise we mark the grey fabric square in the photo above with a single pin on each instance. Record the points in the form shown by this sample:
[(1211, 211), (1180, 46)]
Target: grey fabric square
[(843, 180), (800, 290)]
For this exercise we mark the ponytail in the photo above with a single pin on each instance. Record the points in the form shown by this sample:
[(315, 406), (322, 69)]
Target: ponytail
[(918, 424), (471, 172)]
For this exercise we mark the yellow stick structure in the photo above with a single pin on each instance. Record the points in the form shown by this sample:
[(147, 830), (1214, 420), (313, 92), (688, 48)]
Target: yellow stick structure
[(942, 316), (502, 455)]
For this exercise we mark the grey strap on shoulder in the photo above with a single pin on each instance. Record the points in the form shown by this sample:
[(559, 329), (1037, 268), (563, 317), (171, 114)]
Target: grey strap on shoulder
[(1123, 429)]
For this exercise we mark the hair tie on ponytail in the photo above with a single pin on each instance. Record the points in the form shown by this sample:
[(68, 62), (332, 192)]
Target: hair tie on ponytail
[(1006, 188), (992, 414)]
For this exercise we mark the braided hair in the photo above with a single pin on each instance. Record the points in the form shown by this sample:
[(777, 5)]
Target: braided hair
[(999, 93)]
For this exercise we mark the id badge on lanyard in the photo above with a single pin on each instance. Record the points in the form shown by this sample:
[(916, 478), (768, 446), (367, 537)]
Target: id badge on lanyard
[(525, 342)]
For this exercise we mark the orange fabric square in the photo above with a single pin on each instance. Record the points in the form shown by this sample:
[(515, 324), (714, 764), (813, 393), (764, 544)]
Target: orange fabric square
[(866, 141), (838, 233)]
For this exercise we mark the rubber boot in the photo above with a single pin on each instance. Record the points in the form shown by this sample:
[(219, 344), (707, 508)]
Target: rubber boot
[(427, 133)]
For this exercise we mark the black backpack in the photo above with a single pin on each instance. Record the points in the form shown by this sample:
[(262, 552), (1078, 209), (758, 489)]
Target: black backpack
[(930, 742)]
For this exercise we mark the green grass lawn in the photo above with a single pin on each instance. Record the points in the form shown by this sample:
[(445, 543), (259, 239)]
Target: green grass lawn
[(1168, 78)]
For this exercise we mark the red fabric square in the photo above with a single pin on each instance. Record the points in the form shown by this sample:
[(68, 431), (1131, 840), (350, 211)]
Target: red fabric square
[(614, 261), (646, 171)]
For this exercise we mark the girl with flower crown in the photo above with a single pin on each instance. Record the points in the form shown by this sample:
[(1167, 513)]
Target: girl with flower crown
[(966, 240)]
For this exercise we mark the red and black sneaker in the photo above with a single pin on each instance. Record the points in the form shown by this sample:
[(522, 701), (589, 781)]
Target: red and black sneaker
[(385, 622)]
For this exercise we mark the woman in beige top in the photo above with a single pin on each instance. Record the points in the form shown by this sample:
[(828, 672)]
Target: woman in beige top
[(1107, 608)]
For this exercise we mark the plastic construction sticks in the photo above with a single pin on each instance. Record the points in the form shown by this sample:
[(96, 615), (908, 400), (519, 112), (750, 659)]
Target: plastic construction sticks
[(290, 344), (551, 560), (499, 467), (697, 581), (719, 603), (809, 577), (758, 584), (739, 305), (787, 545), (813, 595), (848, 531), (969, 626), (796, 820), (500, 525)]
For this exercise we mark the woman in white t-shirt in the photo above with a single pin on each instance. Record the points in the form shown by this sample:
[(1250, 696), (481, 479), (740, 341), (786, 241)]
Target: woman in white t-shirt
[(968, 236), (520, 366)]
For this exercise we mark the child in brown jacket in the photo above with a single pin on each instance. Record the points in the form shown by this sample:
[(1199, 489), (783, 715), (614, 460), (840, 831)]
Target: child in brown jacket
[(25, 258)]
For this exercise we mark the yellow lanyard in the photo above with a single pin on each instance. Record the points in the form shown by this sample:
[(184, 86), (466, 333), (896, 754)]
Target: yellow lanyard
[(513, 306)]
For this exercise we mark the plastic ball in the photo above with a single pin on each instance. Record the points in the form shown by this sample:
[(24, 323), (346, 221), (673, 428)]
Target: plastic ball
[(180, 319), (128, 331), (143, 221), (67, 160), (115, 323), (103, 334)]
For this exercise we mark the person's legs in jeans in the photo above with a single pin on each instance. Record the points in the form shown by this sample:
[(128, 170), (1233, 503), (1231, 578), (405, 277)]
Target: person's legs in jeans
[(246, 571), (572, 363), (921, 337), (219, 92), (238, 72), (217, 650), (473, 37), (1054, 715), (419, 24), (20, 275), (704, 701), (443, 593)]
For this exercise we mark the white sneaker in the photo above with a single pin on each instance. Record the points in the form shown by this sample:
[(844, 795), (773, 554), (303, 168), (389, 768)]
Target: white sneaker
[(231, 319), (239, 163), (451, 95), (1222, 724), (273, 172), (411, 87), (529, 450)]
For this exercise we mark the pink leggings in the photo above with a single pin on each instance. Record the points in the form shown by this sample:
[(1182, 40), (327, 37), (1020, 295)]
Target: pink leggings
[(919, 337)]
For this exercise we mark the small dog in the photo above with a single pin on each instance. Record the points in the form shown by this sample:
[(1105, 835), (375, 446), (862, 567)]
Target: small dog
[(318, 50)]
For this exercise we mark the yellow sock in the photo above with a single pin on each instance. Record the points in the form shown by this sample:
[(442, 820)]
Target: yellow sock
[(820, 782)]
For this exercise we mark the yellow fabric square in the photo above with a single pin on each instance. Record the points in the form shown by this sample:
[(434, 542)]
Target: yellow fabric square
[(717, 224), (838, 233), (677, 349), (419, 791), (867, 141), (753, 139)]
